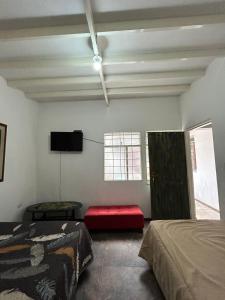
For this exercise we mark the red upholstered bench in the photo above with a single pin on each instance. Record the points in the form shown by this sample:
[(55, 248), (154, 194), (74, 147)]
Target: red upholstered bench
[(114, 217)]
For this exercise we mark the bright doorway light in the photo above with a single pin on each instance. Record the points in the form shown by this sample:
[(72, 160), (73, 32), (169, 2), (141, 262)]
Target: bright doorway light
[(204, 173)]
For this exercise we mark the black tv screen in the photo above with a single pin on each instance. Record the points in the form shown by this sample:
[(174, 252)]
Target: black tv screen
[(67, 141)]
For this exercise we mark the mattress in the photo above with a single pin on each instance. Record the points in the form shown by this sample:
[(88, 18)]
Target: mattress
[(187, 257), (42, 260)]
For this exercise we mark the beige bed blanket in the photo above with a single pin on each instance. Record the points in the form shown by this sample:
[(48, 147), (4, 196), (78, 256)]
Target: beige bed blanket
[(187, 257)]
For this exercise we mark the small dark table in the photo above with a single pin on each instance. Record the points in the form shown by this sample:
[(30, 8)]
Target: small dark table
[(46, 211)]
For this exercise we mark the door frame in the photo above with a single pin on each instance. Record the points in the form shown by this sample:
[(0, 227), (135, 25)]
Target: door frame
[(190, 175)]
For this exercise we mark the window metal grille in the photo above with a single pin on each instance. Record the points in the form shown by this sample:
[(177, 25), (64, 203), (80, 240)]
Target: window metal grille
[(122, 156)]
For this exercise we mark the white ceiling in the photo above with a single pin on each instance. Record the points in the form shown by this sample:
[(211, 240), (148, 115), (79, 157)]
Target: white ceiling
[(49, 42), (12, 9)]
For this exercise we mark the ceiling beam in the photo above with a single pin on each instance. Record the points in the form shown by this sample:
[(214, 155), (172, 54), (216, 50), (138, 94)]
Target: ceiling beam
[(80, 93), (52, 82), (156, 75), (91, 26), (130, 58), (159, 24), (153, 90), (153, 79), (123, 58), (111, 81), (147, 91), (112, 26), (45, 62), (47, 31)]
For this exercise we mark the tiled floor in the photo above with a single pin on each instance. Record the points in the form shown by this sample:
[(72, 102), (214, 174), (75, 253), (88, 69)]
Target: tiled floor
[(117, 272), (205, 212)]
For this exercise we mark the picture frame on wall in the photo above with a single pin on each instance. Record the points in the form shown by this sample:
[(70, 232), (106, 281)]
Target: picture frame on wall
[(3, 133)]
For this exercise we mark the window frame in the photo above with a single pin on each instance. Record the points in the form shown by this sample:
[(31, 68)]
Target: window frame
[(126, 152)]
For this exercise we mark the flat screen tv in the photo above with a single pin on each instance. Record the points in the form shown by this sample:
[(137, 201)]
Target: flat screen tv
[(67, 141)]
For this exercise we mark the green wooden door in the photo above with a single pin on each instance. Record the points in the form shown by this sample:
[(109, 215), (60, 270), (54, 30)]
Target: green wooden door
[(168, 176)]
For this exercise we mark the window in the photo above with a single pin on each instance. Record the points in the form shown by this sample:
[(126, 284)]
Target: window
[(122, 156)]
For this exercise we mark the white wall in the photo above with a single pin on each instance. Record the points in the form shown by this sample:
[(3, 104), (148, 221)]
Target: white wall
[(205, 181), (206, 100), (19, 186), (82, 174)]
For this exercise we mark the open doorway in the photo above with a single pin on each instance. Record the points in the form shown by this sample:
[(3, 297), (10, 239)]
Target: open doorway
[(204, 173)]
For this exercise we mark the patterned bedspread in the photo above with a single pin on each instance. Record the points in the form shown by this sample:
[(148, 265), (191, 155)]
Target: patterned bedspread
[(42, 260)]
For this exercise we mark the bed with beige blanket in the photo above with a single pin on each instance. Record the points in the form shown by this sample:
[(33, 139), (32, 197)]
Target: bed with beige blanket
[(187, 257)]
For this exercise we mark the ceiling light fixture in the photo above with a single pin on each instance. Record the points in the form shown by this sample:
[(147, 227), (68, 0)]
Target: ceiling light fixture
[(97, 62)]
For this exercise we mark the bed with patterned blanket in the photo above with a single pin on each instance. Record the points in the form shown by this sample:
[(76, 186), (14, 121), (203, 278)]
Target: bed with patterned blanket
[(42, 260)]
